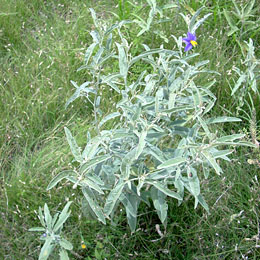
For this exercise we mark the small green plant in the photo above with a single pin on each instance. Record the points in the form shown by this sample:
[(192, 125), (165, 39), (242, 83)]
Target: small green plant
[(248, 77), (155, 17), (52, 232), (161, 142), (243, 22)]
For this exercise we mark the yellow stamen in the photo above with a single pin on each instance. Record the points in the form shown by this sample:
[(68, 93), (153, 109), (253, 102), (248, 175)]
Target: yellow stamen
[(193, 43), (83, 246)]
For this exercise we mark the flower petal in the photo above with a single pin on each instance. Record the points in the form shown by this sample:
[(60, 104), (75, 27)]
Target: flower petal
[(186, 40), (188, 47), (191, 36)]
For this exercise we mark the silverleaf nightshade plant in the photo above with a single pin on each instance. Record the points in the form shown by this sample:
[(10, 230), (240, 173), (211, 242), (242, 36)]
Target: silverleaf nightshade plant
[(162, 141)]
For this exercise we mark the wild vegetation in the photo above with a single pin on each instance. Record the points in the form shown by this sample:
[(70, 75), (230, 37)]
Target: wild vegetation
[(103, 119)]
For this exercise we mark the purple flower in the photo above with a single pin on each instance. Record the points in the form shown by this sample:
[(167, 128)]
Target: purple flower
[(190, 41)]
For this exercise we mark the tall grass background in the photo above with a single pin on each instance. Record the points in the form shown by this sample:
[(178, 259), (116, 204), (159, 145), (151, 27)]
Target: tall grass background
[(42, 45)]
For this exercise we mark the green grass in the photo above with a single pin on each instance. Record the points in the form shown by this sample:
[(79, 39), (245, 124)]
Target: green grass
[(42, 44)]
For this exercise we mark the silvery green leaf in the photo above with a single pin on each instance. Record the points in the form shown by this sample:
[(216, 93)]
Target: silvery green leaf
[(98, 56), (156, 153), (141, 144), (159, 203), (90, 197), (129, 203), (89, 52), (95, 36), (194, 182), (96, 179), (113, 197), (229, 138), (180, 187), (109, 80), (249, 7), (62, 175), (90, 184), (158, 175), (126, 163), (193, 19), (241, 79), (205, 127), (205, 168), (138, 81), (203, 202), (172, 162), (212, 161), (229, 19), (131, 220), (91, 148), (221, 154), (79, 91), (94, 17), (38, 229), (47, 217), (41, 218), (178, 108), (201, 21), (237, 9), (168, 6), (46, 249), (123, 64), (62, 217), (73, 145), (108, 117), (222, 119), (137, 112), (63, 254), (144, 54), (65, 244), (141, 182), (165, 190), (109, 42), (54, 219), (107, 57), (92, 162)]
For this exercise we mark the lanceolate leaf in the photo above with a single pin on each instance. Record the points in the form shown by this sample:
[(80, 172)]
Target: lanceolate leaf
[(63, 217), (241, 79), (63, 254), (172, 162), (194, 182), (94, 205), (165, 190), (88, 183), (113, 197), (47, 216), (73, 145), (62, 175), (212, 161), (39, 229), (144, 54), (159, 203), (108, 117), (229, 138), (66, 244), (96, 160), (123, 66), (141, 144), (222, 119), (46, 249)]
